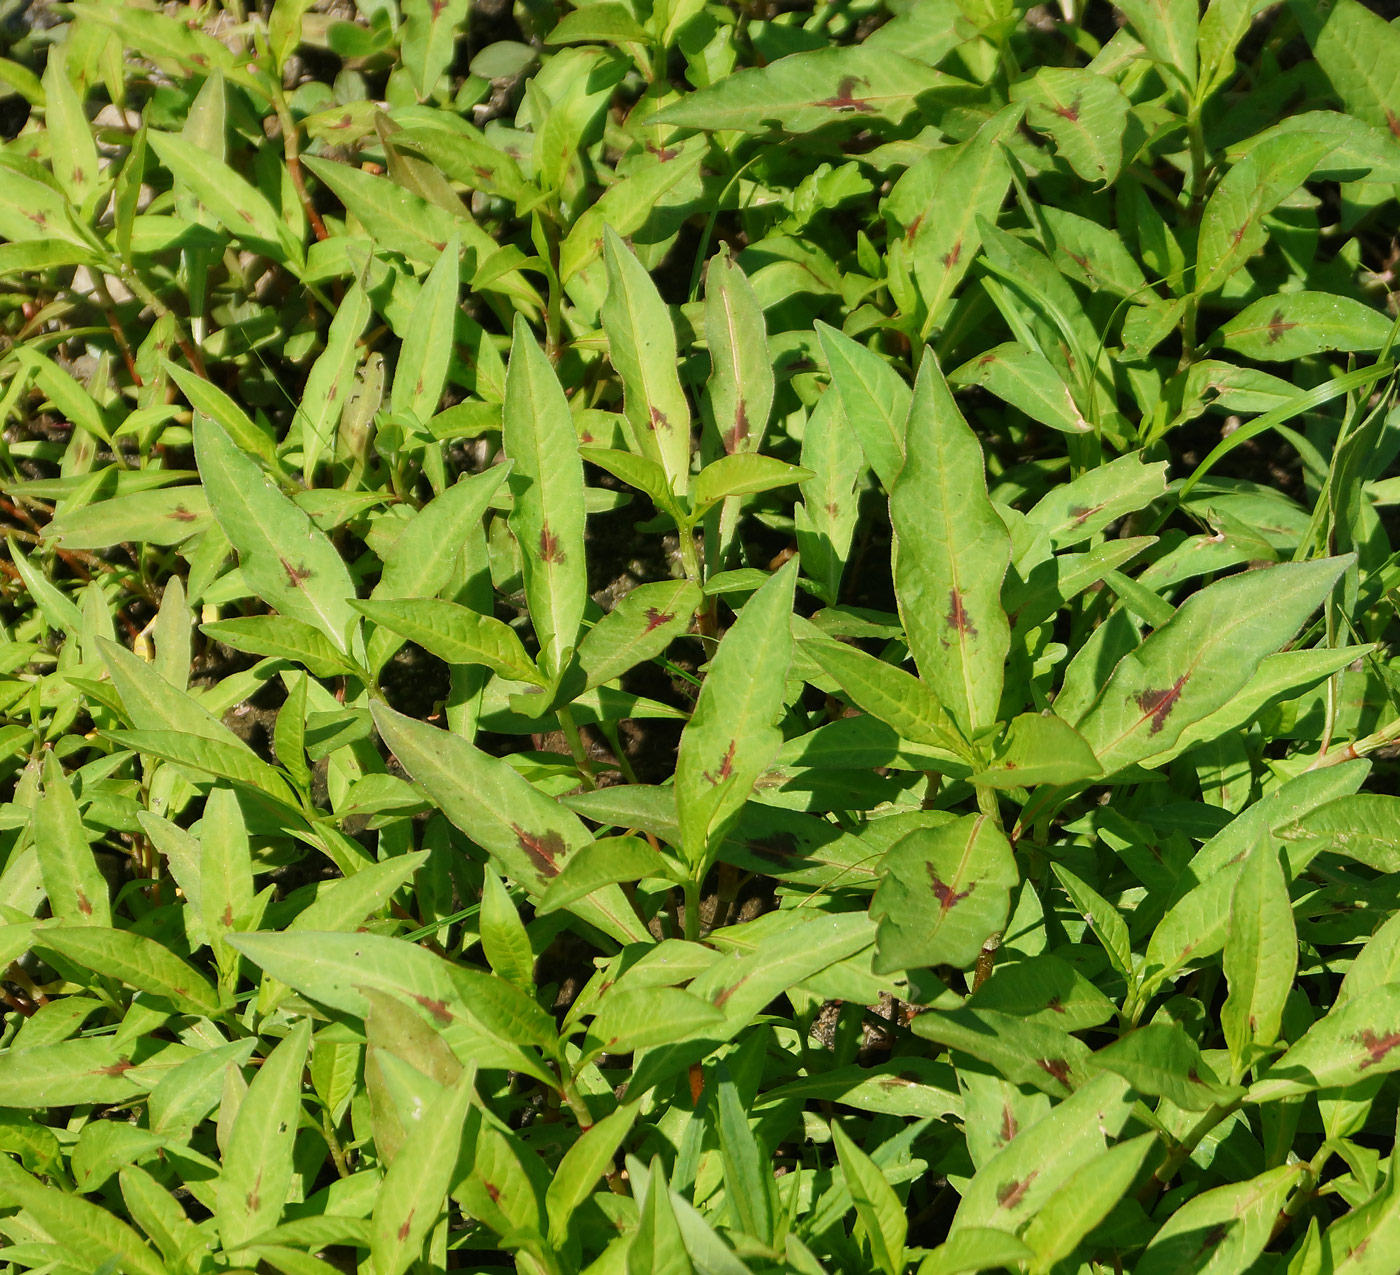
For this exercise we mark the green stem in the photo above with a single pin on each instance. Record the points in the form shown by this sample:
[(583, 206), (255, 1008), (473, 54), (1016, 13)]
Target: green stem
[(692, 910), (576, 748)]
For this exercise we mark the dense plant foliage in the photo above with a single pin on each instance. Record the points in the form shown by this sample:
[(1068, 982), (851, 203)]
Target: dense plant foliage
[(683, 637)]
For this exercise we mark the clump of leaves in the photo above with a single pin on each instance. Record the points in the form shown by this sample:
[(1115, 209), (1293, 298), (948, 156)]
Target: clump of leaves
[(476, 795)]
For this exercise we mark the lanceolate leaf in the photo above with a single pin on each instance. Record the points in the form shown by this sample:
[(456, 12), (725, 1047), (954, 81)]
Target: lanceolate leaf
[(1202, 657), (546, 481), (1261, 955), (643, 348), (1356, 1041), (874, 400), (951, 550), (642, 625), (740, 387), (455, 634), (284, 556), (803, 91), (76, 888), (732, 735), (330, 380), (258, 1164), (531, 834)]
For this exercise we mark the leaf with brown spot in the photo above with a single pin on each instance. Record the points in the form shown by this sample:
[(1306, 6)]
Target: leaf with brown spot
[(414, 1191), (944, 891), (546, 481), (643, 623), (1200, 659)]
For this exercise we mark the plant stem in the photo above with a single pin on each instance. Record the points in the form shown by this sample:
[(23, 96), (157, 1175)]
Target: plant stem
[(692, 910), (576, 746)]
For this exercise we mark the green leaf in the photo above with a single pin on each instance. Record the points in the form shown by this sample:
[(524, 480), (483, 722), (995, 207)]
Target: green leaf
[(284, 556), (85, 1231), (1168, 30), (582, 1165), (547, 483), (1358, 1040), (415, 1188), (1294, 325), (1232, 224), (331, 379), (258, 1165), (73, 151), (600, 863), (233, 762), (645, 621), (1261, 955), (748, 1175), (74, 884), (1086, 1197), (429, 37), (531, 834), (1084, 112), (825, 521), (165, 517), (1162, 1059), (1028, 1053), (944, 238), (1201, 658), (421, 371), (887, 692), (975, 1248), (504, 940), (951, 550), (1027, 380), (1238, 1218), (742, 475), (455, 634), (880, 1210), (281, 637), (945, 891), (1362, 827), (739, 392), (645, 1017), (657, 1248), (1013, 1186), (803, 91), (241, 207), (135, 959), (207, 398), (731, 736), (874, 400), (1038, 748), (69, 1072), (602, 23), (1359, 52), (642, 344)]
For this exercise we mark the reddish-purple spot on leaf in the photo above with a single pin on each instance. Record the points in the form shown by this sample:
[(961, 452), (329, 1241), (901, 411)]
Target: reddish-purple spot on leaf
[(726, 765), (957, 618), (657, 419), (1081, 262), (950, 258), (1393, 121), (550, 548), (656, 618), (227, 917), (1082, 513), (407, 1226), (1070, 112), (1009, 1127), (1158, 704), (1010, 1194), (115, 1069), (181, 514), (438, 1009), (1057, 1005), (1377, 1046), (833, 509), (844, 99), (1277, 327), (543, 850), (84, 904), (663, 153), (719, 1001), (1238, 235), (492, 1190), (739, 431), (296, 575), (947, 897), (1056, 1068)]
